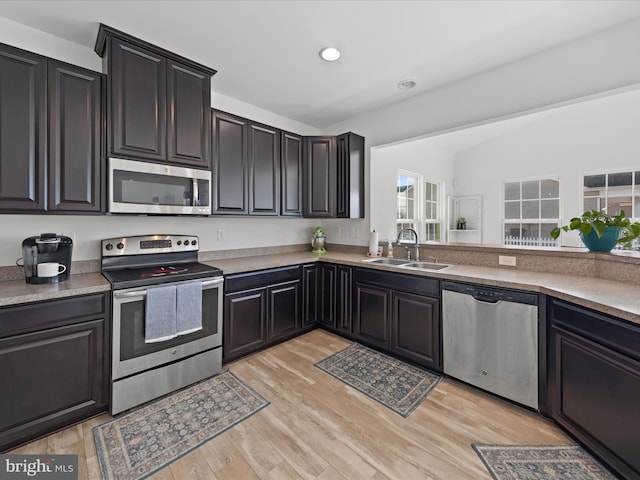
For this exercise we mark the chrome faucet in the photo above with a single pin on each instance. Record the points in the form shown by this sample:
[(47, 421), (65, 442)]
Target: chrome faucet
[(404, 244)]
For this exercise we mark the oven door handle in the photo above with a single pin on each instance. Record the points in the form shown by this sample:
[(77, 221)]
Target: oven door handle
[(143, 293)]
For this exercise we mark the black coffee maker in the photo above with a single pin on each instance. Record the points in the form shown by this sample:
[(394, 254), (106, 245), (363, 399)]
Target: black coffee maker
[(46, 248)]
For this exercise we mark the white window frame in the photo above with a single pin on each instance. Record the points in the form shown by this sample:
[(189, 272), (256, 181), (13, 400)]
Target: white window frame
[(419, 222), (635, 188), (503, 201)]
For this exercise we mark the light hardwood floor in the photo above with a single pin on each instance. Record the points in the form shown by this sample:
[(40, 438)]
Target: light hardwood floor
[(319, 428)]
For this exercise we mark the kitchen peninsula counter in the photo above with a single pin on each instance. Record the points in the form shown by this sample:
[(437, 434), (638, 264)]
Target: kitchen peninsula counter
[(618, 299)]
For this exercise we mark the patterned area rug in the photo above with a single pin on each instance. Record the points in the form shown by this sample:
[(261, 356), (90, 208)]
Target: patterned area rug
[(143, 441), (541, 462), (395, 384)]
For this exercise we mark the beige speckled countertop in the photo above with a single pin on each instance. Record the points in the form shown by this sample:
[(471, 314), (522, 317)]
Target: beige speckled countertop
[(14, 292), (615, 298)]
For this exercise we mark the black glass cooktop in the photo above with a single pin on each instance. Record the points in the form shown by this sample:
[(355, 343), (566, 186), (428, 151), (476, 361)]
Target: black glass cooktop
[(155, 275)]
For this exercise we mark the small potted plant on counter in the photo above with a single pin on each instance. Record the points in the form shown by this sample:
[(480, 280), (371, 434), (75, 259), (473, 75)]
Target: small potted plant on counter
[(461, 223), (600, 231)]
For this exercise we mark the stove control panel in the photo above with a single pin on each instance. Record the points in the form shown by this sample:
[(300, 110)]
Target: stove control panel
[(147, 244)]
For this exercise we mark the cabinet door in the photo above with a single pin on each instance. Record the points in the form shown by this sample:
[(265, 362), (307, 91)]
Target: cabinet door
[(23, 95), (188, 116), (310, 284), (264, 169), (350, 176), (138, 87), (284, 310), (596, 398), (291, 175), (75, 136), (327, 301), (372, 315), (320, 177), (343, 300), (55, 376), (244, 322), (415, 332), (229, 164)]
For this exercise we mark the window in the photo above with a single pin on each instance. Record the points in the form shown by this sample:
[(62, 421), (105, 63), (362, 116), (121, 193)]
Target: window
[(531, 211), (406, 207), (432, 211), (612, 192), (419, 206)]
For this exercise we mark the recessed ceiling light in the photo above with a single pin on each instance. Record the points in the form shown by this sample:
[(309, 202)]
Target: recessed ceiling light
[(330, 54), (406, 84)]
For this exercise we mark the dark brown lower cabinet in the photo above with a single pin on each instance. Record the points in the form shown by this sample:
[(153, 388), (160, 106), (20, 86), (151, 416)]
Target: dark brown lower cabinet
[(310, 282), (327, 295), (260, 309), (54, 361), (415, 318), (594, 378), (399, 314)]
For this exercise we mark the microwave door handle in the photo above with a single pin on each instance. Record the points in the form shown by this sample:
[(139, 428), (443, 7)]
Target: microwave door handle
[(195, 201)]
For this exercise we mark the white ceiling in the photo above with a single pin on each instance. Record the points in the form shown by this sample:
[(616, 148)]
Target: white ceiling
[(266, 51)]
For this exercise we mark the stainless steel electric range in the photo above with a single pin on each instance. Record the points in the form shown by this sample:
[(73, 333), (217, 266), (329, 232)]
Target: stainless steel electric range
[(143, 370)]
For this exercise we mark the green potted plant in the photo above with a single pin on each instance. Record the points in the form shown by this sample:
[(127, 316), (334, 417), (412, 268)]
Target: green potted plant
[(600, 231), (461, 223)]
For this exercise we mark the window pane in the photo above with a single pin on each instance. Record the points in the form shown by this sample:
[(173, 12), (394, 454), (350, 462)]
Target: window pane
[(530, 209), (549, 208), (615, 204), (545, 229), (410, 208), (618, 179), (636, 205), (591, 201), (434, 192), (512, 191), (531, 230), (511, 210), (511, 230), (594, 181), (531, 189), (549, 189)]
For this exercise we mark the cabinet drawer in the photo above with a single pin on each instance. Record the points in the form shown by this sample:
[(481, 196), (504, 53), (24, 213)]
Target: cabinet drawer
[(35, 316), (616, 334), (399, 281), (263, 278)]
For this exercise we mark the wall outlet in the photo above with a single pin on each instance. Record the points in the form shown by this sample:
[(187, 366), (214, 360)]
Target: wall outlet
[(220, 234), (507, 260)]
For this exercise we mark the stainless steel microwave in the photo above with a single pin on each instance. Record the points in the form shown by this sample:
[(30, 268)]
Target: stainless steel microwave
[(157, 189)]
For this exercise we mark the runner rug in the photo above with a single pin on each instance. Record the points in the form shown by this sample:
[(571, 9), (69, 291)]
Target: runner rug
[(548, 462), (392, 382), (141, 442)]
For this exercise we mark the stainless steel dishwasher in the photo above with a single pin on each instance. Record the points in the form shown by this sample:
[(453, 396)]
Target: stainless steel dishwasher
[(490, 339)]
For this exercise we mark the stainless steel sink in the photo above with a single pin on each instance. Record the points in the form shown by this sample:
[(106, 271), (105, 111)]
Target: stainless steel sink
[(407, 263), (386, 261), (425, 265)]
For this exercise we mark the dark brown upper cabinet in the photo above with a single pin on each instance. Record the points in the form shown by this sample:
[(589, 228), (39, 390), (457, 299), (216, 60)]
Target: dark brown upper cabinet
[(256, 168), (23, 106), (319, 177), (50, 134), (75, 134), (350, 176), (264, 169), (159, 107), (230, 151), (291, 174)]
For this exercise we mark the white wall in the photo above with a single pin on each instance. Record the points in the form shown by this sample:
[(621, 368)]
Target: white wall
[(422, 157), (597, 63), (583, 138)]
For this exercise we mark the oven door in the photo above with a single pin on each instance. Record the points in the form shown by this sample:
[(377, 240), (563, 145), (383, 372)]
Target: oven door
[(130, 352)]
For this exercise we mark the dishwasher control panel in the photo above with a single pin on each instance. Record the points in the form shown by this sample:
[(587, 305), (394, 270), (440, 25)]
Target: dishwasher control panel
[(491, 294)]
